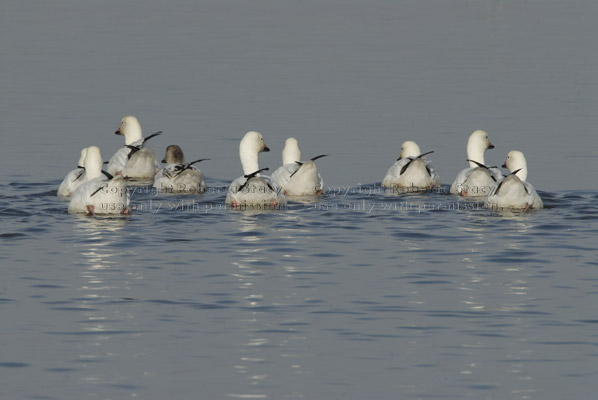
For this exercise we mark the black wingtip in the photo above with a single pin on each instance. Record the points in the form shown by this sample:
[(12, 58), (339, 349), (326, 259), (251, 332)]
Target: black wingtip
[(151, 136), (183, 167), (107, 174), (253, 174), (425, 154), (529, 193), (498, 187), (134, 149), (249, 176), (478, 164), (100, 188), (80, 174), (405, 167), (429, 171), (198, 161), (320, 156)]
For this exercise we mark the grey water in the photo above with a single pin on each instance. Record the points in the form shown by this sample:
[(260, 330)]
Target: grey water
[(359, 294)]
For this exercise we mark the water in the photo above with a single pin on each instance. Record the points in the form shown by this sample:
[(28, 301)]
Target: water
[(361, 294)]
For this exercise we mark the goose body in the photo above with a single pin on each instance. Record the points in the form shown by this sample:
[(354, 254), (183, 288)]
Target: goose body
[(178, 176), (98, 195), (294, 177), (74, 178), (412, 170), (478, 180), (132, 160), (252, 190), (514, 192)]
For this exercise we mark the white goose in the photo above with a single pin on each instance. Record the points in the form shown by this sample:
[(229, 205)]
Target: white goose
[(253, 191), (513, 191), (74, 178), (178, 176), (297, 178), (412, 170), (478, 180), (98, 195), (133, 161)]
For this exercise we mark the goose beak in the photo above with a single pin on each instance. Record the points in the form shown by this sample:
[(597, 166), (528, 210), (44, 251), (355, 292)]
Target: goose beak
[(164, 161), (118, 132), (504, 165), (266, 148), (490, 145)]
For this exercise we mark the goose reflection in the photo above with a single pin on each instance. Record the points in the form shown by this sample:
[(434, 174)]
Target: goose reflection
[(103, 281), (265, 317), (495, 290), (506, 253)]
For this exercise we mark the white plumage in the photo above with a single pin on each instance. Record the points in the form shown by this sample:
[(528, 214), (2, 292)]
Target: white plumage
[(412, 171), (294, 177), (253, 191), (133, 161), (74, 178), (178, 176), (98, 195), (514, 192), (478, 180)]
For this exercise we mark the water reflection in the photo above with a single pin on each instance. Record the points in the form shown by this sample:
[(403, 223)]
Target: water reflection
[(266, 328), (506, 279), (102, 287), (495, 288), (251, 254)]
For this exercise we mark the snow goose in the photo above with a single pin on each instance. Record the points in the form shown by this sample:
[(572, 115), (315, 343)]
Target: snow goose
[(178, 176), (514, 192), (98, 195), (478, 180), (252, 190), (74, 178), (297, 178), (412, 171), (132, 160)]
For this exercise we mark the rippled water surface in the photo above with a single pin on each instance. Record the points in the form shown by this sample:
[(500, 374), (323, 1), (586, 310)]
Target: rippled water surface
[(360, 294)]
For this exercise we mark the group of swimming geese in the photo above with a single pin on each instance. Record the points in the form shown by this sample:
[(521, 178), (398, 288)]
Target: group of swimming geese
[(95, 191)]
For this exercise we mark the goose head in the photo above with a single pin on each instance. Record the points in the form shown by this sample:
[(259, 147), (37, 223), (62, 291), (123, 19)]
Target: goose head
[(173, 155), (93, 162), (291, 152), (516, 162), (477, 144), (130, 129), (410, 149), (251, 144), (81, 163)]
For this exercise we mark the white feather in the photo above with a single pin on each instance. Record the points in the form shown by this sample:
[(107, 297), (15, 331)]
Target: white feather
[(294, 177), (419, 174), (514, 192), (476, 181), (256, 192)]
